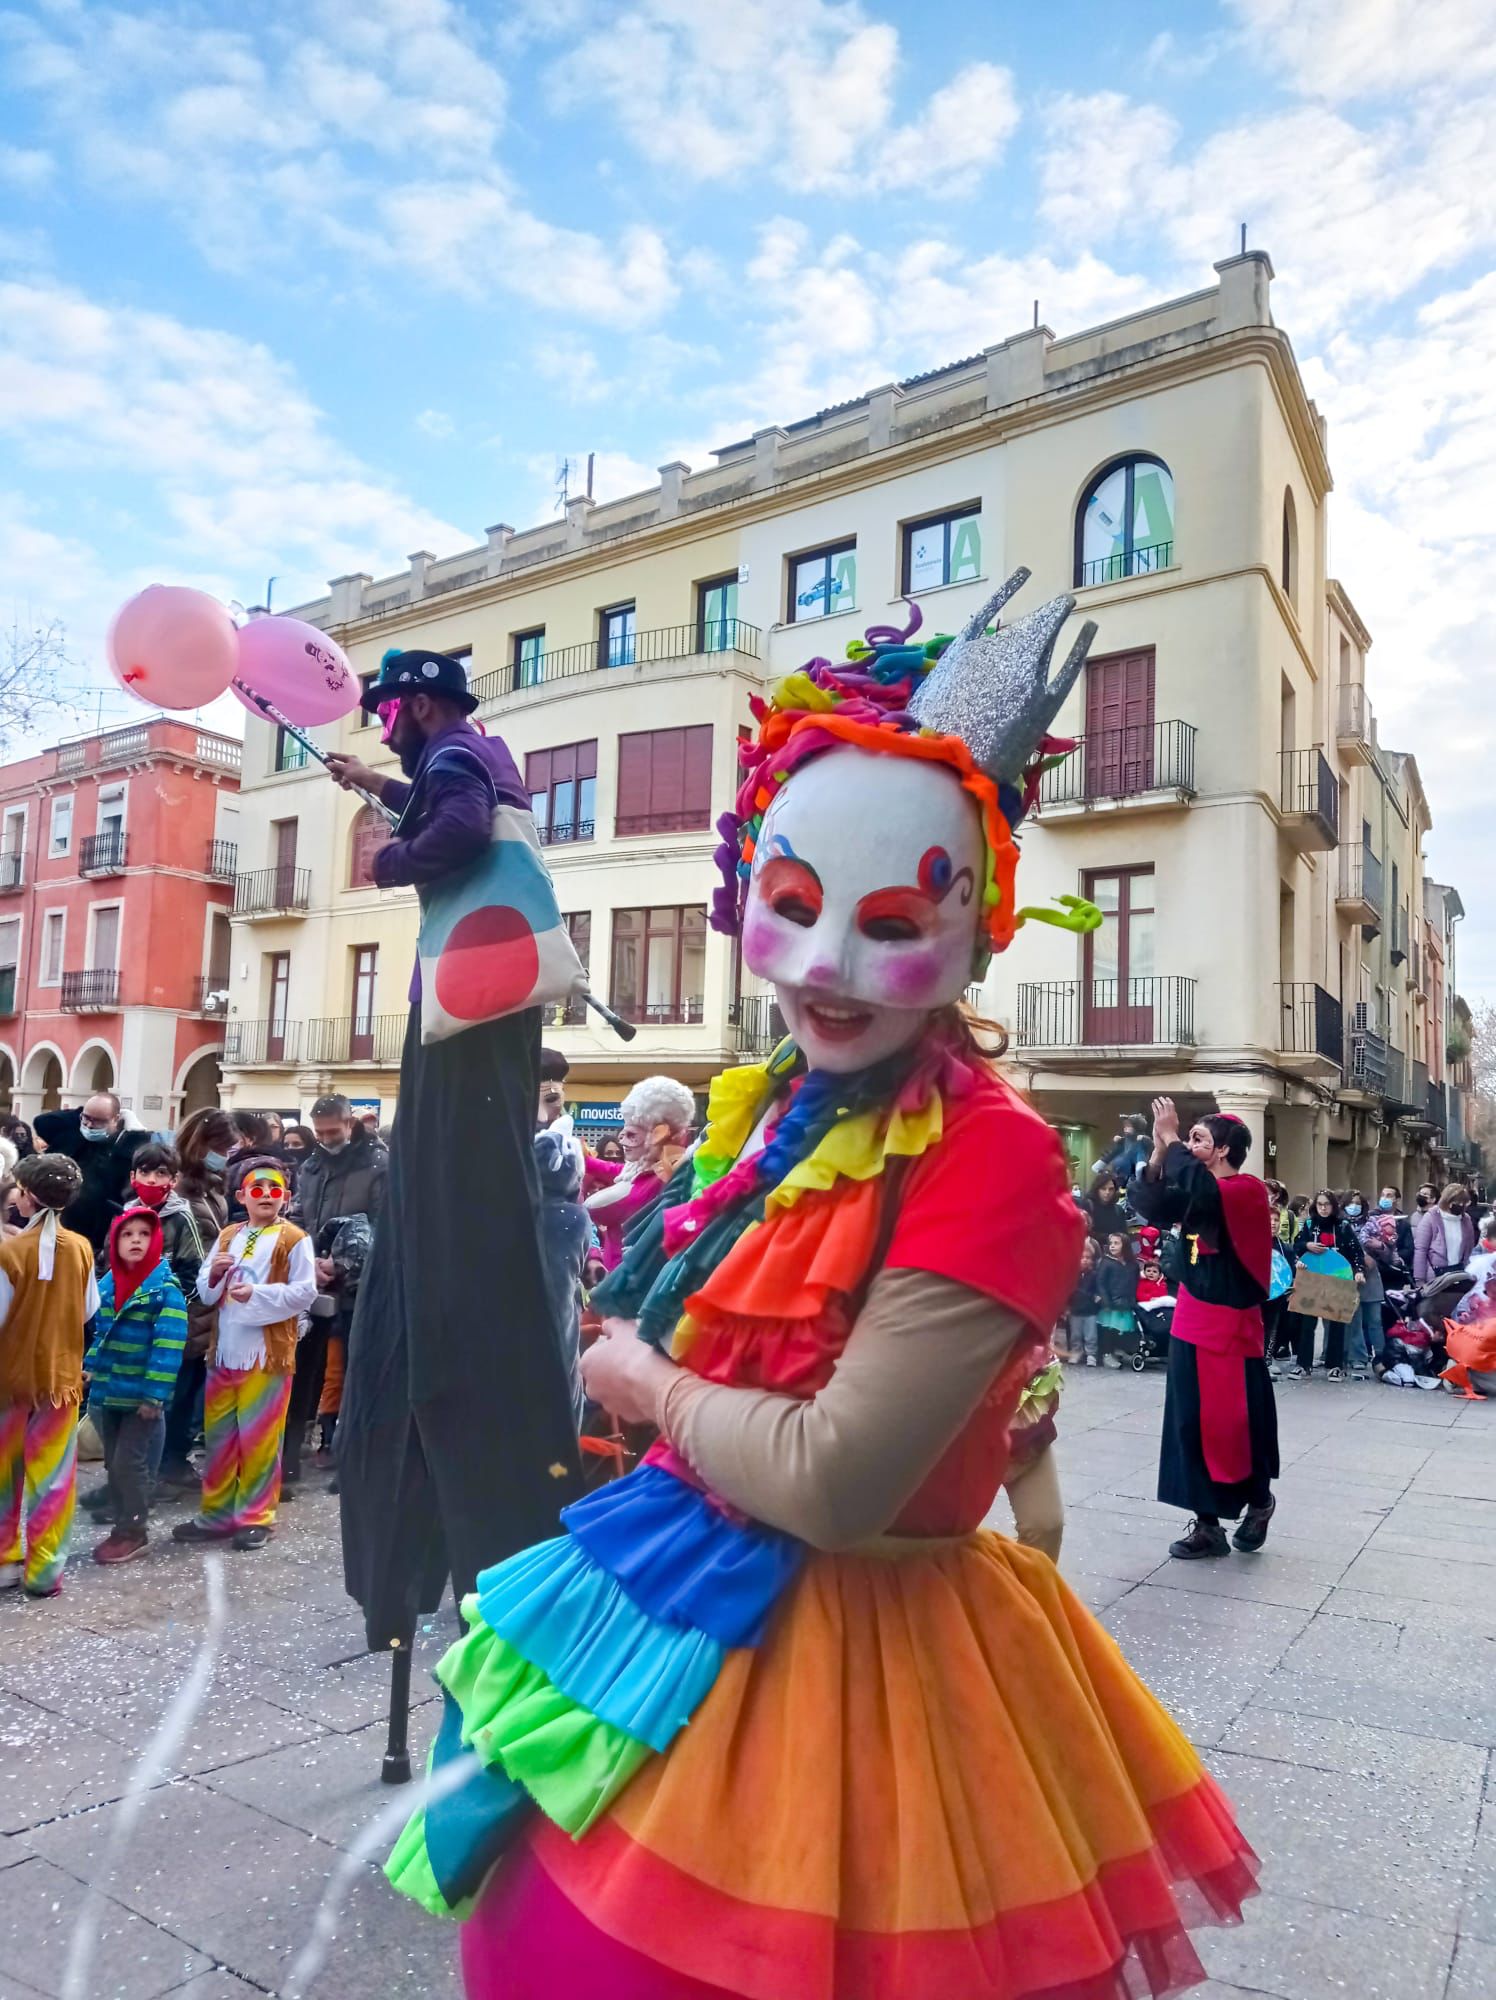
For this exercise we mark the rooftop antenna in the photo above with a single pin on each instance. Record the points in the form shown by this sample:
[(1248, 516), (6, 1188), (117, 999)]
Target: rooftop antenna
[(591, 456), (1244, 239), (1036, 313), (270, 584), (563, 484)]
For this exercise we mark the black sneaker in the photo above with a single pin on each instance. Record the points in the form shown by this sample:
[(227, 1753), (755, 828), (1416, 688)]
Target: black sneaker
[(251, 1538), (96, 1501), (179, 1474), (1252, 1533), (1205, 1538), (196, 1531)]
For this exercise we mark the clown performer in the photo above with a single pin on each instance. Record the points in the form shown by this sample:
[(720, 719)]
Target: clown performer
[(262, 1277), (456, 1439), (775, 1717), (1220, 1438)]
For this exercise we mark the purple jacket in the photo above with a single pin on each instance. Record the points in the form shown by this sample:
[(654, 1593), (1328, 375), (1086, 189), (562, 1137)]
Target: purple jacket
[(1430, 1253), (454, 814)]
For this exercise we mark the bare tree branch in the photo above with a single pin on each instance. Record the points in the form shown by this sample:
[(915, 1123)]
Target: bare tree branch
[(35, 673)]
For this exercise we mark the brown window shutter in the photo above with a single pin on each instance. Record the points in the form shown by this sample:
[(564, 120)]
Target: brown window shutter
[(696, 799), (587, 759), (667, 790), (633, 782), (538, 771)]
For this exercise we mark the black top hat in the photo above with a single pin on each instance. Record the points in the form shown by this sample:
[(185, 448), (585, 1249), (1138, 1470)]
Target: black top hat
[(419, 671)]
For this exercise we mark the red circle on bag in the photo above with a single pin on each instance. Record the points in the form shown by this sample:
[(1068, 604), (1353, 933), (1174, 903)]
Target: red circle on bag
[(489, 964)]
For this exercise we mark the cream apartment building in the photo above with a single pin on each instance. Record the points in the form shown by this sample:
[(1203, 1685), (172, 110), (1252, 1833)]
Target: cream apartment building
[(1227, 804)]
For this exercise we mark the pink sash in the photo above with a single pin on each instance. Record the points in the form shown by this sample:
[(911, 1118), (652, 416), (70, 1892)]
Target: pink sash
[(1223, 1337)]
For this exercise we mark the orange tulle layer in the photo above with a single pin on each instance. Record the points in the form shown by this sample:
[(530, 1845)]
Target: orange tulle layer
[(937, 1780)]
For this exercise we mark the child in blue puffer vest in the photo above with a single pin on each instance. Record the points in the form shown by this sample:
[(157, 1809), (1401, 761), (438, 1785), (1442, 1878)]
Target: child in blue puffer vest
[(132, 1369)]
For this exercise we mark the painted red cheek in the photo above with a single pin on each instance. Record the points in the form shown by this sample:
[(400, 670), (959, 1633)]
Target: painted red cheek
[(912, 977)]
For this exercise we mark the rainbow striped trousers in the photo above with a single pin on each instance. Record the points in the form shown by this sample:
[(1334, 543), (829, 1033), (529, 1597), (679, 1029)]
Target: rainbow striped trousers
[(244, 1421), (38, 1486)]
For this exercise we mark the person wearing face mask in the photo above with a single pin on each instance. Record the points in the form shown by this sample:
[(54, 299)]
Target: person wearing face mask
[(1326, 1227), (787, 1654), (97, 1140), (1444, 1235), (456, 1441), (1389, 1202), (344, 1176)]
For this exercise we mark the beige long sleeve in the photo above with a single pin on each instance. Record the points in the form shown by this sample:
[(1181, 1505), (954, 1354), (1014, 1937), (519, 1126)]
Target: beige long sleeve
[(840, 1467)]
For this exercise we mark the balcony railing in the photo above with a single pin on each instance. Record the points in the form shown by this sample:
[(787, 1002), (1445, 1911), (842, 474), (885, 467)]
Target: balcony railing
[(1365, 1056), (219, 750), (12, 873), (1353, 715), (120, 745), (210, 994), (90, 992), (759, 1025), (1132, 562), (223, 859), (566, 831), (102, 853), (664, 822), (1418, 1088), (7, 992), (668, 642), (1360, 876), (1397, 937), (564, 1014), (1106, 1013), (1437, 1102), (270, 891), (1123, 764), (1309, 791), (1396, 1088), (686, 1012), (252, 1044), (1310, 1021), (377, 1038)]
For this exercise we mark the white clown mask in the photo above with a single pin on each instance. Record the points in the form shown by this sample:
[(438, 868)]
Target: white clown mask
[(864, 902)]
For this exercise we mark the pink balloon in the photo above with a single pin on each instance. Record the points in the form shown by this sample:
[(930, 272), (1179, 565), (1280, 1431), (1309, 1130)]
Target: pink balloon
[(174, 647), (303, 672)]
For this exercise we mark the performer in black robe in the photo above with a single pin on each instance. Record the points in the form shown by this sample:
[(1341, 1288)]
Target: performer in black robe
[(1219, 1452), (456, 1443)]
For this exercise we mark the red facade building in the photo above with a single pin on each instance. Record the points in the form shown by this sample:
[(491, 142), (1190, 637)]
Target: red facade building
[(117, 857)]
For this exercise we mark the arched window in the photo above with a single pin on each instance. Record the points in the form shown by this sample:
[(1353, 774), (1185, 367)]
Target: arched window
[(1288, 574), (1125, 526), (370, 831)]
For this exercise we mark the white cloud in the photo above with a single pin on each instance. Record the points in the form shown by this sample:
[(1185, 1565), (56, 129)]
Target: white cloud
[(1334, 50), (96, 392), (363, 139), (435, 424), (26, 168), (802, 90), (1102, 148)]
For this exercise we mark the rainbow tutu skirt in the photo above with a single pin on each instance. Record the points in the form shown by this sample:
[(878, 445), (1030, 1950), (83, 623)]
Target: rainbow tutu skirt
[(711, 1762)]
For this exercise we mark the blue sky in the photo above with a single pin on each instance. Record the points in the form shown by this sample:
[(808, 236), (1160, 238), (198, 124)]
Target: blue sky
[(302, 295)]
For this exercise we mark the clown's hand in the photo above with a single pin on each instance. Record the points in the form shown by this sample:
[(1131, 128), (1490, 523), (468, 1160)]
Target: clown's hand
[(626, 1375)]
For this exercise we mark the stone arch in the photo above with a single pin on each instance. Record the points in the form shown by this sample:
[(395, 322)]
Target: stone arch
[(198, 1083), (41, 1080), (94, 1068), (9, 1078)]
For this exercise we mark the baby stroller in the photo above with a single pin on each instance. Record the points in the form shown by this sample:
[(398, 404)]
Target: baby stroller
[(1415, 1338), (1149, 1338)]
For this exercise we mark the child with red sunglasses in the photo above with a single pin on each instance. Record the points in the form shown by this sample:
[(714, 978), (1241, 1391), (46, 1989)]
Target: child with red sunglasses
[(262, 1277)]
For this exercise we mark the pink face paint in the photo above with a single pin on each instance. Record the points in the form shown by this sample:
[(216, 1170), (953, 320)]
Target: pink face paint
[(387, 711)]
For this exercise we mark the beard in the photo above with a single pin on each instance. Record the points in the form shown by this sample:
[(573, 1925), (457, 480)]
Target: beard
[(409, 754)]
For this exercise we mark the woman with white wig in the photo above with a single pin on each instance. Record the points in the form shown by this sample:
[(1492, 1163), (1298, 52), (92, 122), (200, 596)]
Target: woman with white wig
[(658, 1114)]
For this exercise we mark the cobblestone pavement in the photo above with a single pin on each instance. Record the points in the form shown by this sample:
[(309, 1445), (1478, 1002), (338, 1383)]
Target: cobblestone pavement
[(1342, 1686)]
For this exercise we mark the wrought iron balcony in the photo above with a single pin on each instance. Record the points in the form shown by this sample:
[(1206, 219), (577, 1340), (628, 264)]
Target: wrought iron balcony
[(667, 642), (102, 853), (1132, 562), (1310, 1022), (759, 1025), (91, 991), (376, 1038), (1110, 766), (1365, 1057), (687, 1012), (1106, 1013), (1309, 799), (272, 892), (565, 832), (223, 860), (1358, 892), (663, 822), (1396, 1087), (260, 1044), (12, 872), (1437, 1102)]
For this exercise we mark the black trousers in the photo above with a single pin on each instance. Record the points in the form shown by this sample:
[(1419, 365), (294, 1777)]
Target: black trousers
[(1303, 1342), (306, 1391), (456, 1444), (132, 1457), (181, 1412)]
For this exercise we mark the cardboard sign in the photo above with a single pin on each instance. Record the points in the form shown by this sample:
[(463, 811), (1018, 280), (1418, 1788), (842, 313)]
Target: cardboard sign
[(1318, 1296)]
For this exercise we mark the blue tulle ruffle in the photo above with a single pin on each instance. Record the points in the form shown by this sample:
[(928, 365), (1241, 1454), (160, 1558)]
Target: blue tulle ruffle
[(680, 1559)]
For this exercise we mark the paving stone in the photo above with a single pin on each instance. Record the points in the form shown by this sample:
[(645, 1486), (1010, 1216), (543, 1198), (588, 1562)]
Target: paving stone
[(1269, 1578), (133, 1959), (50, 1765), (1203, 1657), (330, 1787), (1474, 1974), (1299, 1950), (1403, 1702), (1367, 1844), (1463, 1475), (1436, 1766), (217, 1986), (1432, 1578)]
